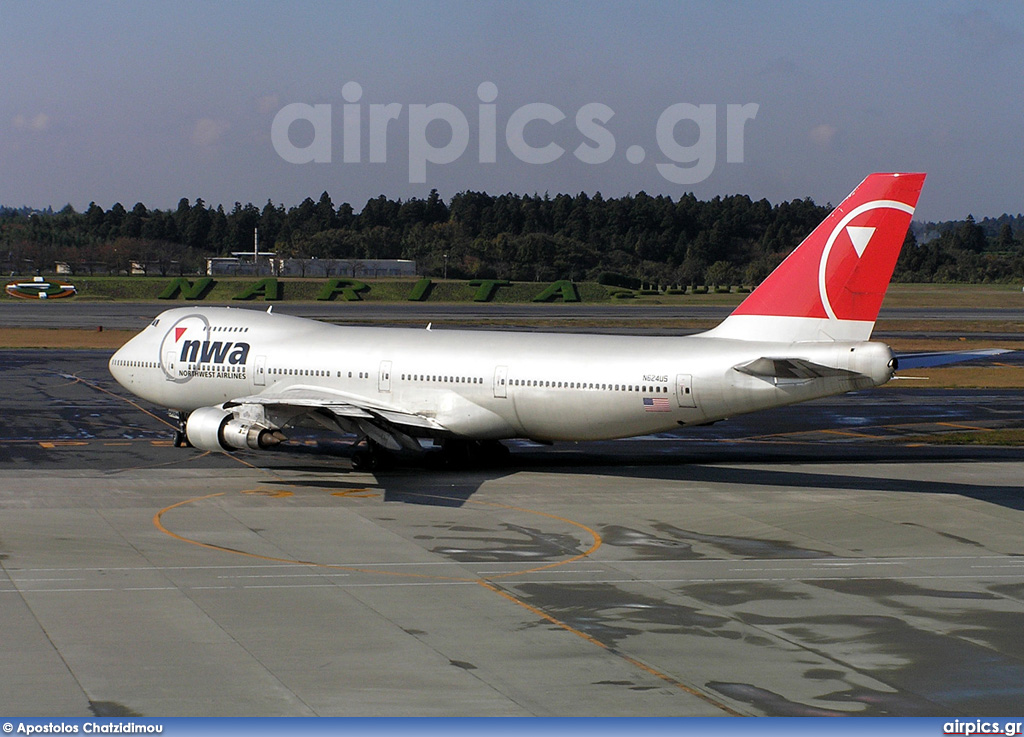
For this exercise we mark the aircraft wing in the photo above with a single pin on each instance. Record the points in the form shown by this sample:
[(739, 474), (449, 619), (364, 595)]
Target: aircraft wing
[(391, 427), (943, 358)]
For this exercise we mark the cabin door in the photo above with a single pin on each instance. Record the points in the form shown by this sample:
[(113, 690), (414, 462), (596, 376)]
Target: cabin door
[(500, 380), (684, 390)]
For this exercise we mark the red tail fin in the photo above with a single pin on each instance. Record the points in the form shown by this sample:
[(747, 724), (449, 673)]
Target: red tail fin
[(832, 286)]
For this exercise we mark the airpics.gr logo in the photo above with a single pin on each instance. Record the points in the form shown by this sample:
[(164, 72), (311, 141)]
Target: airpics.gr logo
[(845, 249), (189, 353), (365, 131), (978, 726)]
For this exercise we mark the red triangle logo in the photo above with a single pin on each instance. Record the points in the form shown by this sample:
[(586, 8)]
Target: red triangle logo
[(178, 332)]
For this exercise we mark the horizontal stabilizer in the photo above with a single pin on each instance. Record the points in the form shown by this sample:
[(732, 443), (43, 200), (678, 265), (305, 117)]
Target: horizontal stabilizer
[(790, 368), (944, 358)]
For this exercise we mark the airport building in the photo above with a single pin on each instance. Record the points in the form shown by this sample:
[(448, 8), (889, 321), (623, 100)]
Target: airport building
[(243, 264)]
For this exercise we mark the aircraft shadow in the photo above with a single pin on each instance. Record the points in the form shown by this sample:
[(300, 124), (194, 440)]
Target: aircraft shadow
[(410, 482)]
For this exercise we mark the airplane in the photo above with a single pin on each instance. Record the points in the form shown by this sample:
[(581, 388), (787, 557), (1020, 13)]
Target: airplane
[(237, 379)]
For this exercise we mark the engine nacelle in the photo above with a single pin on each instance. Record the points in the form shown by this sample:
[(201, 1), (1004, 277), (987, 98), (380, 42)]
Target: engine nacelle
[(213, 429)]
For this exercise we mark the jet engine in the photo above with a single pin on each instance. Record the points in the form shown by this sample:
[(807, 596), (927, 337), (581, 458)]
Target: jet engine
[(213, 428)]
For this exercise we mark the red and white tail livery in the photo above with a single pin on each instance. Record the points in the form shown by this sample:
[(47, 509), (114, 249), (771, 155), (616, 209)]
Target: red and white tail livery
[(831, 287)]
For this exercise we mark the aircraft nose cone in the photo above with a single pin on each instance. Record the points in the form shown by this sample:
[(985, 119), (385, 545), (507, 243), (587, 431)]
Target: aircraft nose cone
[(117, 369)]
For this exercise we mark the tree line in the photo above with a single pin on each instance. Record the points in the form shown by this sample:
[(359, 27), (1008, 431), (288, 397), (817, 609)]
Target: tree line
[(656, 239)]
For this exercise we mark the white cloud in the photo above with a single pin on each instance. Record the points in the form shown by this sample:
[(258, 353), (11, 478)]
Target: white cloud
[(209, 132), (37, 123), (823, 134)]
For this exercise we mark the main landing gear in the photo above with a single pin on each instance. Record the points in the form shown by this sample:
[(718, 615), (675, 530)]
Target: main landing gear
[(453, 453), (468, 453), (371, 457), (456, 453), (180, 438)]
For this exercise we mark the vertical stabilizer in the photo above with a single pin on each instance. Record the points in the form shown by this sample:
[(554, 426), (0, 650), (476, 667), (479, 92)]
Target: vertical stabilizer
[(832, 286)]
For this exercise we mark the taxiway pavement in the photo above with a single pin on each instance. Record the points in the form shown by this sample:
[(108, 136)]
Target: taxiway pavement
[(136, 315), (812, 560)]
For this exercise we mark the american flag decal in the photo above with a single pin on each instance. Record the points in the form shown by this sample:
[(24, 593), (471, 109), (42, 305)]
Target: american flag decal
[(656, 404)]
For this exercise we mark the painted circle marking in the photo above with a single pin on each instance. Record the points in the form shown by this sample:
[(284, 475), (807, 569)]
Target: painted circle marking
[(596, 542), (171, 342)]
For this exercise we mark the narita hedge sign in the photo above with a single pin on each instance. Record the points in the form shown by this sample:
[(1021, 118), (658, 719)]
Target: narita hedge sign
[(352, 290)]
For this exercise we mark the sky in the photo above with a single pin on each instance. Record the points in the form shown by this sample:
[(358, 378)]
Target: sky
[(255, 101)]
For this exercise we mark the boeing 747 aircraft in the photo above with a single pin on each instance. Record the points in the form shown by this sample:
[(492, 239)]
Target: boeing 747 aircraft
[(238, 378)]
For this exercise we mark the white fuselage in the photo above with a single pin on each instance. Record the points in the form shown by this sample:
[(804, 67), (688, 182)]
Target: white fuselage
[(480, 384)]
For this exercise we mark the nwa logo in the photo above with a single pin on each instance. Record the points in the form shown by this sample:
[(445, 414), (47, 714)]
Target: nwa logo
[(189, 352), (213, 351)]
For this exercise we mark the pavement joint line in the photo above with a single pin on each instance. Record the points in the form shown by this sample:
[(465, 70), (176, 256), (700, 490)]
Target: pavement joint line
[(449, 582), (619, 561), (289, 575)]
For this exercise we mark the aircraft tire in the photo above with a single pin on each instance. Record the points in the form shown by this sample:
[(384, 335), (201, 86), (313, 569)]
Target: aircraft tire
[(363, 460)]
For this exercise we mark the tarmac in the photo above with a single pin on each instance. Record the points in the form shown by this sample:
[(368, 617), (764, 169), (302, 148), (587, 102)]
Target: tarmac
[(813, 560), (136, 315)]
